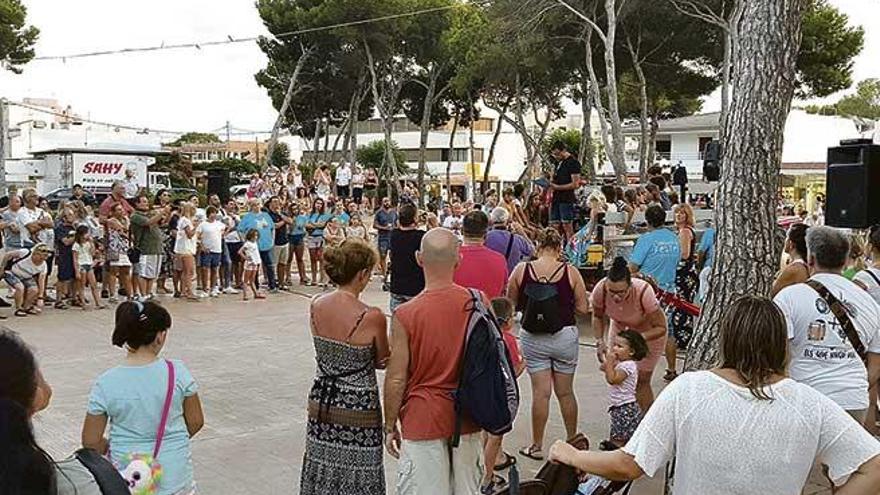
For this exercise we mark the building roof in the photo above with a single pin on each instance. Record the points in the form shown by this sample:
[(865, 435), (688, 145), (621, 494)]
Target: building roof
[(701, 122), (103, 151)]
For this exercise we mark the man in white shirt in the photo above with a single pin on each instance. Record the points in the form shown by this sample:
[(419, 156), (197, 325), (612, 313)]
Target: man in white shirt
[(343, 180), (32, 220), (132, 188), (822, 354), (453, 222), (210, 235)]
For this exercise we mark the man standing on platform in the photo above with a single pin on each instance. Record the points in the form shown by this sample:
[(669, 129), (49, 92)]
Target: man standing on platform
[(566, 178)]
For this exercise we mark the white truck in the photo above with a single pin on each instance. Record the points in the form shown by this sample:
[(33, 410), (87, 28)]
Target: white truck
[(94, 169)]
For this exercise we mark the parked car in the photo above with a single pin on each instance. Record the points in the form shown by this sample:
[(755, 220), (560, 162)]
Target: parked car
[(65, 193)]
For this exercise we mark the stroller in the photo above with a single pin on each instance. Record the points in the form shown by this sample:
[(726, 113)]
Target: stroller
[(556, 479)]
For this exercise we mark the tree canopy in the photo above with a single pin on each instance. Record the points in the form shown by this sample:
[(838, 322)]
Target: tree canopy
[(16, 38), (864, 103), (195, 138)]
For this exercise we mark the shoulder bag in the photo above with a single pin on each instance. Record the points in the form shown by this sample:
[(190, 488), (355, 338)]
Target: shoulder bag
[(142, 472), (840, 312)]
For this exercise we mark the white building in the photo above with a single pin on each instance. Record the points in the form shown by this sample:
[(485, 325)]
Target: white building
[(804, 154)]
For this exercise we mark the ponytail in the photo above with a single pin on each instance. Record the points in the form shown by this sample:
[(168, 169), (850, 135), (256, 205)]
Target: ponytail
[(619, 271), (138, 324)]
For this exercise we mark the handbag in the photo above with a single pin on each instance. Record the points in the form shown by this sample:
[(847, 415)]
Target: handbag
[(142, 472), (840, 312)]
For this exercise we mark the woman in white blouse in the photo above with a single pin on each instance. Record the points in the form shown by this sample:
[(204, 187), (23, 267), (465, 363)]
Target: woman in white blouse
[(742, 428)]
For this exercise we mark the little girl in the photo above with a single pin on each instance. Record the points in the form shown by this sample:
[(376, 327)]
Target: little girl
[(250, 253), (84, 253), (151, 404), (622, 377), (333, 234), (356, 229)]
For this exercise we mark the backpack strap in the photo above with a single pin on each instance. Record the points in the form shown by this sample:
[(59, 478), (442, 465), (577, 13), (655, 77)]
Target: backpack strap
[(840, 312), (509, 246), (870, 271), (169, 394), (563, 266)]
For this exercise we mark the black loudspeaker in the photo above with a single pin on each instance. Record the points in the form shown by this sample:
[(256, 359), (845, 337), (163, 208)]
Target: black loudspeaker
[(712, 161), (853, 186), (712, 152), (218, 183)]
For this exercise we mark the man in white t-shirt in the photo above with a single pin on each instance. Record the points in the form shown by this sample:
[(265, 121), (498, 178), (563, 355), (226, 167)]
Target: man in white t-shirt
[(32, 220), (210, 235), (454, 221), (343, 180), (822, 354), (132, 188)]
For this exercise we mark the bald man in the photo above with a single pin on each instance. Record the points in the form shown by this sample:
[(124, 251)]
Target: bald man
[(428, 336)]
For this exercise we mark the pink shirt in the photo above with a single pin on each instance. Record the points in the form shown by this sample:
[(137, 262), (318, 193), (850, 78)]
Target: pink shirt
[(632, 311), (483, 269), (624, 392)]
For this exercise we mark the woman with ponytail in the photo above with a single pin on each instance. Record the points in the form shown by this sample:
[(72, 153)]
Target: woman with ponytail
[(25, 468), (621, 302), (141, 394)]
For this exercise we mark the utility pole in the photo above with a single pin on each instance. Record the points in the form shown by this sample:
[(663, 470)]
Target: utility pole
[(227, 139), (4, 143)]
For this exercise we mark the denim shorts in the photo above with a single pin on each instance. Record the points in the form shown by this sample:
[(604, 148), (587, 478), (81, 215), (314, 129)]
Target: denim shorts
[(210, 260), (384, 245), (557, 352), (561, 213), (296, 239), (13, 280)]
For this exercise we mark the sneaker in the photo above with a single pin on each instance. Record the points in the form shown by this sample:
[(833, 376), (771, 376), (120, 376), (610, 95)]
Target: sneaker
[(273, 291), (231, 290), (215, 292)]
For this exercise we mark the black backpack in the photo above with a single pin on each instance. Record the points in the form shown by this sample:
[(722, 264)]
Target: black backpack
[(487, 391), (541, 312)]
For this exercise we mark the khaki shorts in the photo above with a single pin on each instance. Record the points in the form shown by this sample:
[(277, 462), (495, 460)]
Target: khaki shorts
[(280, 254), (425, 467)]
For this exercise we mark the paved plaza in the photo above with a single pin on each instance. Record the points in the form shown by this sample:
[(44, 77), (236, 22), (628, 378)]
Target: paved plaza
[(254, 363)]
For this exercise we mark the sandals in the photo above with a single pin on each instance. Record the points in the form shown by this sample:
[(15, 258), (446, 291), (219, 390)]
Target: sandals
[(61, 305), (532, 452), (494, 484), (20, 313), (32, 311), (509, 460), (670, 375)]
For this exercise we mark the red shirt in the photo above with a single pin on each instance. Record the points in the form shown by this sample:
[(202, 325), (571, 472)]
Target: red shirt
[(483, 269), (512, 348), (435, 322), (107, 206)]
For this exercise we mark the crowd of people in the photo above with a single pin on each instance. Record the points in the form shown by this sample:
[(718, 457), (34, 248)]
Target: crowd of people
[(797, 378)]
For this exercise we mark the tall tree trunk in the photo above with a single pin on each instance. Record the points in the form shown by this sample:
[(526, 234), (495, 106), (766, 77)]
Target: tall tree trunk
[(472, 154), (317, 141), (431, 88), (604, 131), (342, 132), (355, 124), (618, 156), (457, 117), (386, 103), (747, 246), (491, 157), (652, 147), (644, 144), (325, 151), (588, 160), (273, 140)]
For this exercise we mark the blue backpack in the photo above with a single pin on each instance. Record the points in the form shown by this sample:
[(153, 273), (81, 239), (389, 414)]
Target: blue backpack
[(487, 391)]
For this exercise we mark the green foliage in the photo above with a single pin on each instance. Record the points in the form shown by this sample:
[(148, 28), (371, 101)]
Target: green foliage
[(195, 138), (572, 139), (828, 48), (237, 167), (864, 103), (16, 40), (373, 155), (280, 156)]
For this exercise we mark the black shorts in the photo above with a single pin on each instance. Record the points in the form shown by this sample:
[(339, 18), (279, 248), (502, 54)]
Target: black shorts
[(233, 251), (66, 271), (342, 191)]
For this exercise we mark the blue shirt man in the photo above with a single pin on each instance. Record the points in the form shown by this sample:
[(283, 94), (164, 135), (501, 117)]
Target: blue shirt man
[(657, 253), (265, 226)]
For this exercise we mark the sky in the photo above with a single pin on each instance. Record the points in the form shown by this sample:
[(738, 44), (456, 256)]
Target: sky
[(192, 89)]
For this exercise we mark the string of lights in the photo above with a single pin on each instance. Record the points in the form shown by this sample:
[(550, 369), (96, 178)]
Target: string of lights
[(232, 40), (220, 131)]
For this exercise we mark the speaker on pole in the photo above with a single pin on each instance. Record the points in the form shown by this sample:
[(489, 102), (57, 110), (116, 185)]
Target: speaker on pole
[(218, 183), (853, 185)]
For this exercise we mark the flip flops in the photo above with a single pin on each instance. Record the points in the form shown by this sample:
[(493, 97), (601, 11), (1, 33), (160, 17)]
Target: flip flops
[(532, 452), (509, 460)]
